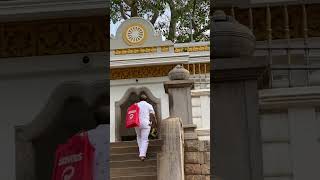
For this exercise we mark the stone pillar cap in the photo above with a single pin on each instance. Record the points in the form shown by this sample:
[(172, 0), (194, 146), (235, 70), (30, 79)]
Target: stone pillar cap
[(230, 38), (179, 73)]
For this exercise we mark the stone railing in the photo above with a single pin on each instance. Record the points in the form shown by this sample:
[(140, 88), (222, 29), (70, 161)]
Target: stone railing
[(199, 73), (291, 65)]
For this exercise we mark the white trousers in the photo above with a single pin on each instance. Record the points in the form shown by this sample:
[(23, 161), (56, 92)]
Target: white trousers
[(142, 139)]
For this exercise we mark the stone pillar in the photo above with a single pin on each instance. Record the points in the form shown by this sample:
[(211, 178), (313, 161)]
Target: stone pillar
[(237, 145), (179, 91), (171, 158)]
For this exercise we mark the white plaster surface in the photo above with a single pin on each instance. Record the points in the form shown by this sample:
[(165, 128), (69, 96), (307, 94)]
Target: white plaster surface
[(119, 87), (201, 108), (304, 131), (291, 133)]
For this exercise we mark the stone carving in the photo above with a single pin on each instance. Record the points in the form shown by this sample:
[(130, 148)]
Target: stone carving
[(18, 40), (154, 71), (52, 37), (179, 73), (230, 38), (135, 34)]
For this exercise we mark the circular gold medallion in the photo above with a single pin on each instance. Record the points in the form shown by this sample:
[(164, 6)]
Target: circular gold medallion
[(134, 35)]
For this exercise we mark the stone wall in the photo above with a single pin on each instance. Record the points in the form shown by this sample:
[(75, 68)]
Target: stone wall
[(197, 159)]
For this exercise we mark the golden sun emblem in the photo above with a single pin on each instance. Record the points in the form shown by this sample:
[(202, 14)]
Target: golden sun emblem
[(134, 35)]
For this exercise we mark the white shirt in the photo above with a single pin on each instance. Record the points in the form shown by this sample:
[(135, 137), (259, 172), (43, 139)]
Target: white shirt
[(99, 138), (144, 115)]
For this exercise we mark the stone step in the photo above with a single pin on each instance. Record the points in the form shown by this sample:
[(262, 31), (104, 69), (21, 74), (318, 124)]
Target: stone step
[(142, 177), (133, 171), (126, 165), (191, 136), (133, 149), (189, 128), (130, 156), (156, 142), (133, 163)]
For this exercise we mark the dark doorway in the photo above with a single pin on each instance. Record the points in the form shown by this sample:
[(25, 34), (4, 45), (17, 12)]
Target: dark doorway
[(129, 134), (75, 115)]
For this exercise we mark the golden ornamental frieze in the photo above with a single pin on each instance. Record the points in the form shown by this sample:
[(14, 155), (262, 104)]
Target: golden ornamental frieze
[(53, 37), (135, 50), (191, 49), (156, 71), (143, 50)]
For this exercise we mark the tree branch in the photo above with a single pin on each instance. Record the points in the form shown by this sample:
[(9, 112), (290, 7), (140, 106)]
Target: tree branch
[(155, 17), (123, 14), (134, 8), (198, 33), (128, 2)]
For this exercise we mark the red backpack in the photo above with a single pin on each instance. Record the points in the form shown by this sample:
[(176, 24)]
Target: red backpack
[(132, 119), (74, 160)]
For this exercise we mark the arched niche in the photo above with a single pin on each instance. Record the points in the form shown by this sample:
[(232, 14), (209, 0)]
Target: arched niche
[(70, 108), (121, 106)]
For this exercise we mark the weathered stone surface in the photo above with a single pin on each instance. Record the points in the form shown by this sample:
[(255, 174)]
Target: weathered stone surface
[(231, 38), (195, 177), (179, 92), (194, 157), (191, 145), (204, 146), (171, 165), (190, 136), (205, 169), (207, 178), (192, 169), (207, 157), (179, 73)]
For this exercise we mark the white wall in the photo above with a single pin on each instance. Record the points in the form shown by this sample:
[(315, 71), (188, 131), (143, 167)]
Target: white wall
[(277, 162), (290, 123), (119, 87), (201, 112)]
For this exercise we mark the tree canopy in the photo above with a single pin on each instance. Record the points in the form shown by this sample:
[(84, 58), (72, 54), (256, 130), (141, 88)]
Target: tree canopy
[(173, 18)]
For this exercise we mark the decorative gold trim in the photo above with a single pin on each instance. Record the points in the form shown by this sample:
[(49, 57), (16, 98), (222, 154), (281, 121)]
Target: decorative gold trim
[(135, 50), (128, 42), (192, 49), (53, 37), (155, 71), (163, 49)]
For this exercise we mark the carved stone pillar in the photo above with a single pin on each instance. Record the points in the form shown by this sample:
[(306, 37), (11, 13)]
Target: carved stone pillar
[(179, 91), (237, 151)]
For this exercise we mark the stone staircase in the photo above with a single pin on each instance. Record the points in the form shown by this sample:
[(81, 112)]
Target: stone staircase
[(126, 165)]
